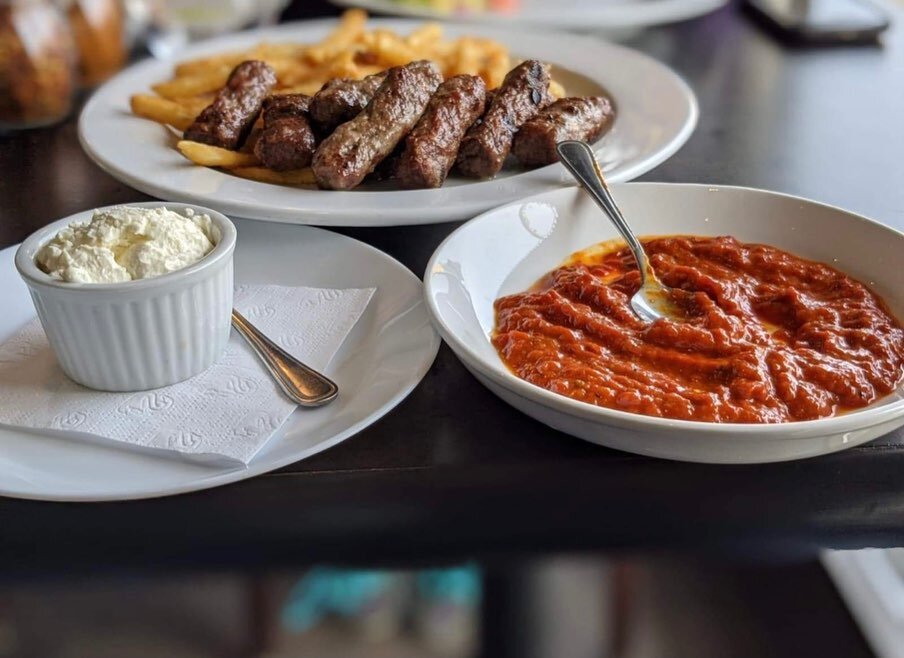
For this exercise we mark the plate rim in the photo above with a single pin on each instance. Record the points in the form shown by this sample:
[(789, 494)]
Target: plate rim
[(615, 16), (802, 430), (232, 475), (404, 207)]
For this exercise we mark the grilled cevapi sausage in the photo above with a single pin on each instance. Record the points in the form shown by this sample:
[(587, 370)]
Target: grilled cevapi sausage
[(356, 147), (432, 145), (228, 120), (584, 119), (520, 97), (281, 106), (341, 100), (287, 141)]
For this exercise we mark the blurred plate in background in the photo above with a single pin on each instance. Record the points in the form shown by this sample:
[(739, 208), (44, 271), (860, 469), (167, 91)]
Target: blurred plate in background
[(581, 15)]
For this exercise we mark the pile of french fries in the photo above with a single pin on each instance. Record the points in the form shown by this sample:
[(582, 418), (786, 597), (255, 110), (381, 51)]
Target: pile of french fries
[(349, 51)]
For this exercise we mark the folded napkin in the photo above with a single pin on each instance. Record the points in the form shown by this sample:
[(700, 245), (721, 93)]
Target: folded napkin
[(226, 413)]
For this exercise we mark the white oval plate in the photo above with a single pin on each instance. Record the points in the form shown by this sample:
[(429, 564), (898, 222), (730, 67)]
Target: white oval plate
[(508, 249), (656, 113), (383, 359), (581, 15)]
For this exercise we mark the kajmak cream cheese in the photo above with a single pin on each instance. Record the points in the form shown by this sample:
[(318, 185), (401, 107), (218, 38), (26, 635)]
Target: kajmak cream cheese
[(127, 243)]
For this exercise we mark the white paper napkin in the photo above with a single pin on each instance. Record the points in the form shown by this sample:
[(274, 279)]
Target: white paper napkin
[(227, 412)]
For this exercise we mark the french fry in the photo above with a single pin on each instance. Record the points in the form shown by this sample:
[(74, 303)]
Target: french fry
[(490, 47), (497, 65), (284, 67), (391, 50), (264, 51), (214, 156), (194, 85), (556, 90), (299, 73), (441, 51), (203, 65), (267, 50), (214, 79), (342, 65), (348, 51), (263, 175), (424, 36), (366, 70), (195, 104), (162, 110), (351, 27), (466, 58)]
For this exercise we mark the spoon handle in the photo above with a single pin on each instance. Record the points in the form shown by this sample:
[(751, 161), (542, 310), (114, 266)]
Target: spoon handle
[(301, 383), (579, 160)]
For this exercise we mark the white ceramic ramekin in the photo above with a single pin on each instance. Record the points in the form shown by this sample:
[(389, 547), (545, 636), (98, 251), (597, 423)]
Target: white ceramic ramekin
[(140, 334)]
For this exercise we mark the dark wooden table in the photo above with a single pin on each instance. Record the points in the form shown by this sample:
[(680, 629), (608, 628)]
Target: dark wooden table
[(453, 472)]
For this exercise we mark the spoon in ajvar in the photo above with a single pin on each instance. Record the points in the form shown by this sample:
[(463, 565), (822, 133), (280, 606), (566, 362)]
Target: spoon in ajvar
[(654, 299)]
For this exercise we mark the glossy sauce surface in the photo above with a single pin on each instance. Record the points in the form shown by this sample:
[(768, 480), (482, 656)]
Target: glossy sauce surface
[(769, 337)]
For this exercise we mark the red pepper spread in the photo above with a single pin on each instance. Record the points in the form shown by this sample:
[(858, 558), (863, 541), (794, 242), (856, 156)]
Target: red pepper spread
[(768, 338)]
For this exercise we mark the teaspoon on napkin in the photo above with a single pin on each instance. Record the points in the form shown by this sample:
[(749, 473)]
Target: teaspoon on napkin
[(300, 382)]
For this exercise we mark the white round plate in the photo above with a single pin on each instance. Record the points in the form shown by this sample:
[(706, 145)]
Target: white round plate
[(580, 15), (508, 249), (375, 369), (656, 113)]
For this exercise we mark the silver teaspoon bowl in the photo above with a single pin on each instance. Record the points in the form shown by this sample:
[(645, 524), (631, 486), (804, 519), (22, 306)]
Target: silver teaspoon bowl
[(301, 383), (654, 299)]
